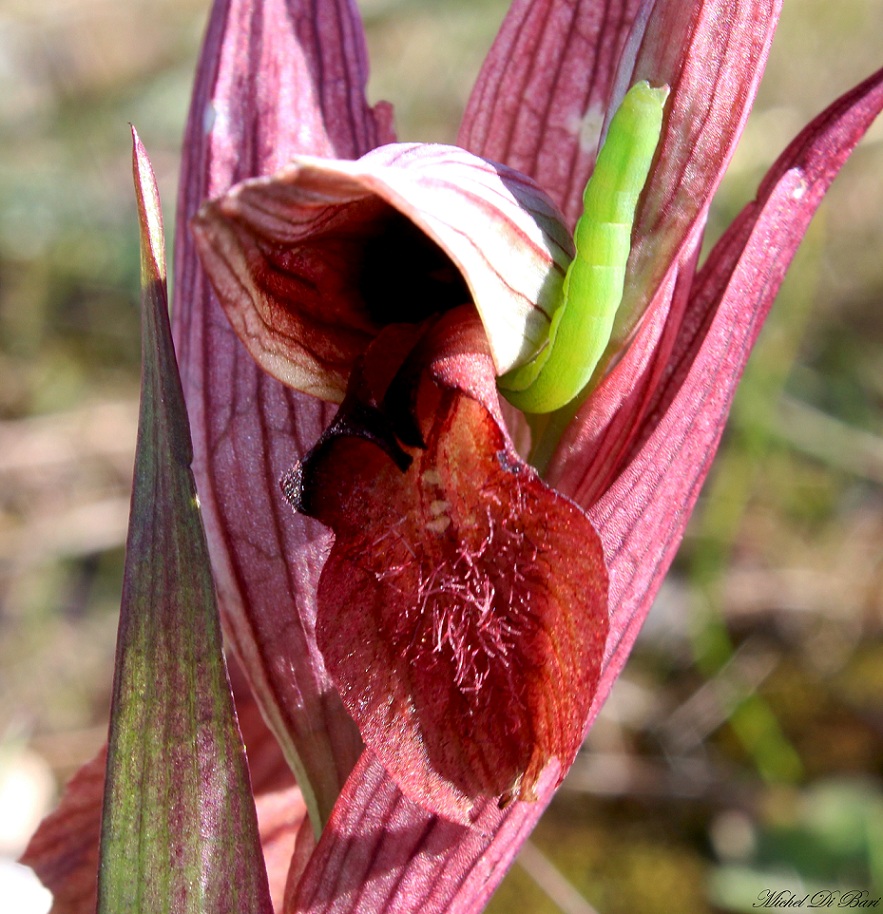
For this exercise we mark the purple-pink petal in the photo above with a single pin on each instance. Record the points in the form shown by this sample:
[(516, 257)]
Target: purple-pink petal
[(643, 513), (275, 79), (540, 100)]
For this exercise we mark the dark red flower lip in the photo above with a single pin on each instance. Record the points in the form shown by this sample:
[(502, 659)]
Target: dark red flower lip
[(463, 607)]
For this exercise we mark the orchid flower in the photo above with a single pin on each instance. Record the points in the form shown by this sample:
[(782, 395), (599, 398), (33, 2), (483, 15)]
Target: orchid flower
[(432, 634)]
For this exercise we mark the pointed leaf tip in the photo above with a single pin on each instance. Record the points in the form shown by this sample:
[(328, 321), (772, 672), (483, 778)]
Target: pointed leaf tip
[(177, 783), (149, 211)]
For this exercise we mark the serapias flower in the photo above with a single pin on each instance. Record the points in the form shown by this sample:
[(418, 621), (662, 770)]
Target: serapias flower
[(462, 611), (417, 403)]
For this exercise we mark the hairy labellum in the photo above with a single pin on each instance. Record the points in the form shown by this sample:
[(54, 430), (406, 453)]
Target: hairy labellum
[(463, 608)]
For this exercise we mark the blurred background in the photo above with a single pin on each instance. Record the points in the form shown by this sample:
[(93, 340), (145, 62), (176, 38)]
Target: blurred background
[(742, 749)]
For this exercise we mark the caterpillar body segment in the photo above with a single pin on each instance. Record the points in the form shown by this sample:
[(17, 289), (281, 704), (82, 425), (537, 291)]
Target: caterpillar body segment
[(593, 286)]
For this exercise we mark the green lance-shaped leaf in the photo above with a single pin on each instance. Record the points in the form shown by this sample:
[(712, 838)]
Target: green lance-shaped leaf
[(179, 830), (582, 322)]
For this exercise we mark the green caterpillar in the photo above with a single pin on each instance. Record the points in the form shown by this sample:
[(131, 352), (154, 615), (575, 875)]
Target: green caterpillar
[(593, 286)]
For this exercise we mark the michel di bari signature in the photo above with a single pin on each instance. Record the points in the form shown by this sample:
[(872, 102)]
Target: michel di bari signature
[(824, 898)]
